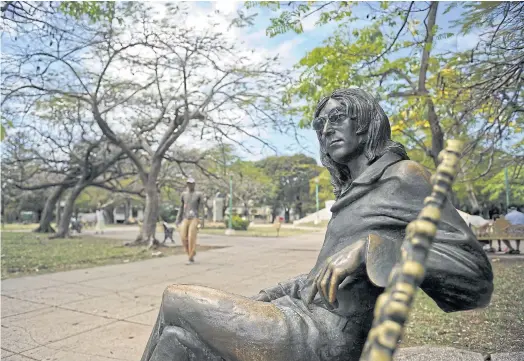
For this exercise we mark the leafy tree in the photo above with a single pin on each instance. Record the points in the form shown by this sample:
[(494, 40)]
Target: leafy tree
[(432, 92), (145, 91), (251, 184), (291, 177), (325, 189)]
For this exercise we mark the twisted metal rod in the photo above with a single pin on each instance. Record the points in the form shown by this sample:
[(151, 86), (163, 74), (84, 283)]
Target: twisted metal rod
[(393, 306)]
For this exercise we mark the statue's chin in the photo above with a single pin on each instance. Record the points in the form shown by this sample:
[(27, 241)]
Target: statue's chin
[(342, 156)]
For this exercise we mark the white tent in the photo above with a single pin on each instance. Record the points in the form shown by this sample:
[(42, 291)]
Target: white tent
[(475, 221)]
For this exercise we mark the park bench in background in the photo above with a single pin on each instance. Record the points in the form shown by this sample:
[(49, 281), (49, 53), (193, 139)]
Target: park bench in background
[(499, 230), (168, 232)]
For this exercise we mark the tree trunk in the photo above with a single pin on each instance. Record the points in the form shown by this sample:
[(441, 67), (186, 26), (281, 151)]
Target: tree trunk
[(109, 213), (151, 211), (472, 198), (147, 233), (65, 219), (47, 214), (58, 210), (127, 210), (437, 136)]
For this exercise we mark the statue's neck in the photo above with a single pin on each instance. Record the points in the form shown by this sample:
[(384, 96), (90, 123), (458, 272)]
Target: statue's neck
[(357, 166)]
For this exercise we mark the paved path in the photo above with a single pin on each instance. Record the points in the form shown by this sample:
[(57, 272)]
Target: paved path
[(106, 313)]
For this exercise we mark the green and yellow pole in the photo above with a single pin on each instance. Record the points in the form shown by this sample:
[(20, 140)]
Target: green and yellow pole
[(230, 202), (506, 181)]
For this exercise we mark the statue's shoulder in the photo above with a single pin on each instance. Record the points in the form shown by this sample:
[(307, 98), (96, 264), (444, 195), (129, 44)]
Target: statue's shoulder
[(409, 171)]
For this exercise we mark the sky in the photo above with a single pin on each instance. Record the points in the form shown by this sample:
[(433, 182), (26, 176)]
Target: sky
[(291, 47)]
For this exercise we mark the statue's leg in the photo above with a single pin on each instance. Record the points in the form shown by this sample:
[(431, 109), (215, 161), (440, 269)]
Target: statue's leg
[(230, 326), (178, 344)]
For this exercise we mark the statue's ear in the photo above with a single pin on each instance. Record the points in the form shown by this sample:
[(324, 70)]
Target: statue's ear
[(381, 257)]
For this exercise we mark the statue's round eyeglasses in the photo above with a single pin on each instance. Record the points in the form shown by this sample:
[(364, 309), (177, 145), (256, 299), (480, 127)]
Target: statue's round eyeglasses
[(319, 123)]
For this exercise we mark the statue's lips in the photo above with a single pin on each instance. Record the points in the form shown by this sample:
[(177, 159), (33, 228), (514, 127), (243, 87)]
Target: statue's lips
[(335, 141)]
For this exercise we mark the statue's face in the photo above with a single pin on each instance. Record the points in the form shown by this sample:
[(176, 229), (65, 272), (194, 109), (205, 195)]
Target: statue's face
[(339, 132)]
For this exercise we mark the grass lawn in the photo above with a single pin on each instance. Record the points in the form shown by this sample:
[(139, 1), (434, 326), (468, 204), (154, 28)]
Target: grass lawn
[(25, 253), (497, 328), (257, 232), (20, 226)]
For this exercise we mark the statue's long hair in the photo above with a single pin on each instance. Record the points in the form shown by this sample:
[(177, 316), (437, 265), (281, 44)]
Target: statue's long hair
[(371, 119)]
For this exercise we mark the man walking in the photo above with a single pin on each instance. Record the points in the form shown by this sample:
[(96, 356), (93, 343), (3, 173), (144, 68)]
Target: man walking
[(100, 220), (187, 219)]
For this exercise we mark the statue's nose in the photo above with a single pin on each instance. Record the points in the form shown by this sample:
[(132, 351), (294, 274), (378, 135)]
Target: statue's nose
[(328, 129)]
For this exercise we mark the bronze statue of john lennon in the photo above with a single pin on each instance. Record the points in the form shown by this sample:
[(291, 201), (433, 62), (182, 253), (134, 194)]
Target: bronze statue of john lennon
[(327, 314)]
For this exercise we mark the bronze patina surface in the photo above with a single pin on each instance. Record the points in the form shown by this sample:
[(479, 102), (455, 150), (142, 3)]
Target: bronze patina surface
[(328, 313)]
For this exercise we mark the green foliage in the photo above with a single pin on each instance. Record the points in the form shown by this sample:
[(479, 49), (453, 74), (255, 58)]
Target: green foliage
[(494, 188), (94, 10), (250, 182), (29, 253), (3, 128), (383, 56), (325, 189), (168, 213), (290, 180), (486, 330), (237, 223)]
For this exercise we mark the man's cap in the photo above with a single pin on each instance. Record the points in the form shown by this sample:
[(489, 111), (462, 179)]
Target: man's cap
[(191, 180)]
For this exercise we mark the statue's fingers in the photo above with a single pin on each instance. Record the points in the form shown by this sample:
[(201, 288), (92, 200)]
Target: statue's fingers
[(311, 295), (336, 278), (314, 289), (323, 287)]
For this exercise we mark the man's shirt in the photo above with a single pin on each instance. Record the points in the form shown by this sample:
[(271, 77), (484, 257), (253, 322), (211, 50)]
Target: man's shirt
[(191, 203), (515, 217)]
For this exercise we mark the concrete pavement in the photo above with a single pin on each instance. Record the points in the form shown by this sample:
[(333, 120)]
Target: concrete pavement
[(106, 313)]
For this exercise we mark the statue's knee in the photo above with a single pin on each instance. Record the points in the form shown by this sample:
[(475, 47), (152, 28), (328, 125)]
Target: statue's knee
[(178, 295), (178, 333)]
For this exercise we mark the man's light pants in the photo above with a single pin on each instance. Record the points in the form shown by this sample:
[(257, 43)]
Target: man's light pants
[(188, 234)]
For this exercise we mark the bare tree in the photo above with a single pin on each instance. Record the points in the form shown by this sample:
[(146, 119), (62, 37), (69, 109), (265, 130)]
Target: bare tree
[(56, 148), (150, 80)]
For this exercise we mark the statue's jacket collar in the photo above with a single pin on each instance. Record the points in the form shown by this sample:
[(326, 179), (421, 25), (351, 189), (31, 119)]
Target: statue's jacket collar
[(371, 175)]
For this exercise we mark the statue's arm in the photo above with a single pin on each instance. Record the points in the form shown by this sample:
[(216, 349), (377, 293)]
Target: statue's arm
[(459, 275), (286, 288)]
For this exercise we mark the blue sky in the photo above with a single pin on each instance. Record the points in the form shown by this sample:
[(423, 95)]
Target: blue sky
[(291, 48), (295, 46)]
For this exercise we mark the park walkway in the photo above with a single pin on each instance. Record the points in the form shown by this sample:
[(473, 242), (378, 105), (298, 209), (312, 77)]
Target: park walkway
[(106, 313)]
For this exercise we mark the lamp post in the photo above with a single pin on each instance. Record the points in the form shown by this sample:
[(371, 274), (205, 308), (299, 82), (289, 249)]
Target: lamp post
[(230, 230), (506, 181), (317, 221)]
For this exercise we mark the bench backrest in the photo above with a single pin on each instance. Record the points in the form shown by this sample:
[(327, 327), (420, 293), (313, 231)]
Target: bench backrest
[(500, 226)]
